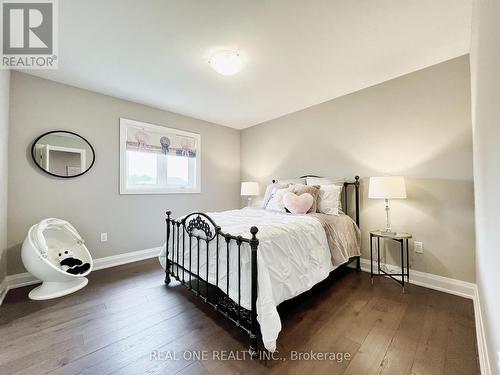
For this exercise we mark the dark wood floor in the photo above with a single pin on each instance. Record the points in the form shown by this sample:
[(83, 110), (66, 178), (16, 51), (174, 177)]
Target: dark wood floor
[(125, 313)]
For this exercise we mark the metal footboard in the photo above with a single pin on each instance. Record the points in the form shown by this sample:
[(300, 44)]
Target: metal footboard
[(199, 231)]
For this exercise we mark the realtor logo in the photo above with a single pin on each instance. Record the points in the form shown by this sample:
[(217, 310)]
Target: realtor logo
[(29, 34)]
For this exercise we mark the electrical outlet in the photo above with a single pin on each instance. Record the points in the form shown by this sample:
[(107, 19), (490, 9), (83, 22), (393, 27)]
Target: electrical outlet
[(419, 247), (104, 237)]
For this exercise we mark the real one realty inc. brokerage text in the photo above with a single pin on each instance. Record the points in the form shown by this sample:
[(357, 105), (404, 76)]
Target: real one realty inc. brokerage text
[(242, 355)]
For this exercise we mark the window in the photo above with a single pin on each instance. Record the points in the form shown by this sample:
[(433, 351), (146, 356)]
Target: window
[(158, 160)]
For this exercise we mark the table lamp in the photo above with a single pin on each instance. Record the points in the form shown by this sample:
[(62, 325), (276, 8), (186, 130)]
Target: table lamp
[(393, 187), (249, 189)]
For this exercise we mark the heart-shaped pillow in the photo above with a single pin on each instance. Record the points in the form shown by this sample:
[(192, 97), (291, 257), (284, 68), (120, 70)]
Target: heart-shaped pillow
[(298, 204)]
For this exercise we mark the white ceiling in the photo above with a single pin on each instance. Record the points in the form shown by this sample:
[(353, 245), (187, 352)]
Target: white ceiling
[(296, 53)]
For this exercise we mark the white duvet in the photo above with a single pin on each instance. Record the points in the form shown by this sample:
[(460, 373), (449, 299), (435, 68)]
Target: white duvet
[(293, 255)]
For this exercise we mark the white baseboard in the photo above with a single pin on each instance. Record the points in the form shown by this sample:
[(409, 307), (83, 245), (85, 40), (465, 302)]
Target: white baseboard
[(23, 279), (428, 280), (118, 260), (4, 288), (482, 347), (20, 279)]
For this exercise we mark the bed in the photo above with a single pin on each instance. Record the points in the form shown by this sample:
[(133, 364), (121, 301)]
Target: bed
[(244, 263)]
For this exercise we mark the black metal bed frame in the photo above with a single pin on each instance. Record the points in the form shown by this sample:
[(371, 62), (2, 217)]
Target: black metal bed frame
[(201, 228)]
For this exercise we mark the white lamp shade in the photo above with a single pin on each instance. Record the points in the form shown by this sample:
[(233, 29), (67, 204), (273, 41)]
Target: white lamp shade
[(393, 187), (249, 188)]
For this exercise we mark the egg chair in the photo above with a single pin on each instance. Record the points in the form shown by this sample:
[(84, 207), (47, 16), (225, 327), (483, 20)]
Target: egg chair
[(40, 255)]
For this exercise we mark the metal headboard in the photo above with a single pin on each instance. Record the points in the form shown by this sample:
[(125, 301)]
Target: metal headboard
[(345, 202)]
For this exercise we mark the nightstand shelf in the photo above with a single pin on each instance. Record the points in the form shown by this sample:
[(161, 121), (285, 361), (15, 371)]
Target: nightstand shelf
[(401, 237)]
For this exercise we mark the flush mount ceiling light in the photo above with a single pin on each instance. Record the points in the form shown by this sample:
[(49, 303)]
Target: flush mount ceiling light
[(226, 63)]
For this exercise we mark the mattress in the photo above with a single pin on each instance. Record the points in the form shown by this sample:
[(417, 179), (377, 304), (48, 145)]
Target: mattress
[(294, 254)]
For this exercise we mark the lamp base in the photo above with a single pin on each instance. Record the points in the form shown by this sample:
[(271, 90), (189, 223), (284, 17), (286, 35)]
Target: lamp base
[(388, 229)]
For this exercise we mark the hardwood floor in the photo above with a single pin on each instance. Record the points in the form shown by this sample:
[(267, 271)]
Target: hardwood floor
[(126, 317)]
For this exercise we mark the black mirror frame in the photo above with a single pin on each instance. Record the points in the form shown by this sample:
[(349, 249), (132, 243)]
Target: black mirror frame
[(67, 132)]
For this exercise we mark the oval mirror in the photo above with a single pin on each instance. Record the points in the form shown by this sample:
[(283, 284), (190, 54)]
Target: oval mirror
[(63, 154)]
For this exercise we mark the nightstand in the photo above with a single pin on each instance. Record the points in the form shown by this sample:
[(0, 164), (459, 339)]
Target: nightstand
[(401, 237)]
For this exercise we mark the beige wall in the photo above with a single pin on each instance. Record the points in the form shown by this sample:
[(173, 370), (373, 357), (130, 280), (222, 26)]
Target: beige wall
[(419, 126), (92, 202), (4, 143), (485, 68)]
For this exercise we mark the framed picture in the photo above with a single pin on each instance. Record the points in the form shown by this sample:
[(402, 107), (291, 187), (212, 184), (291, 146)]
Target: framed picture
[(156, 159)]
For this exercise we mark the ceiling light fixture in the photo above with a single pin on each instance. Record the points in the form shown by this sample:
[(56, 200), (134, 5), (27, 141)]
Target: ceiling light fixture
[(226, 63)]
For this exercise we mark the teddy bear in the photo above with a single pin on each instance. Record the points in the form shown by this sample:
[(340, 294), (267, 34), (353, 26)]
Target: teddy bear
[(72, 265)]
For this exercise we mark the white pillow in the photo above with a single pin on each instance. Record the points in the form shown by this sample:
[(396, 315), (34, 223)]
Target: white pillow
[(329, 199), (276, 201), (270, 190), (325, 180)]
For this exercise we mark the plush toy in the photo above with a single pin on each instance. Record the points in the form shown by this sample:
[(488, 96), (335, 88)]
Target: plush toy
[(72, 265)]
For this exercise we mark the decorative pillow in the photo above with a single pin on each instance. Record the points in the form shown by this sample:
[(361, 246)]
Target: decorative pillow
[(325, 180), (329, 199), (270, 190), (298, 204), (313, 190), (276, 201)]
